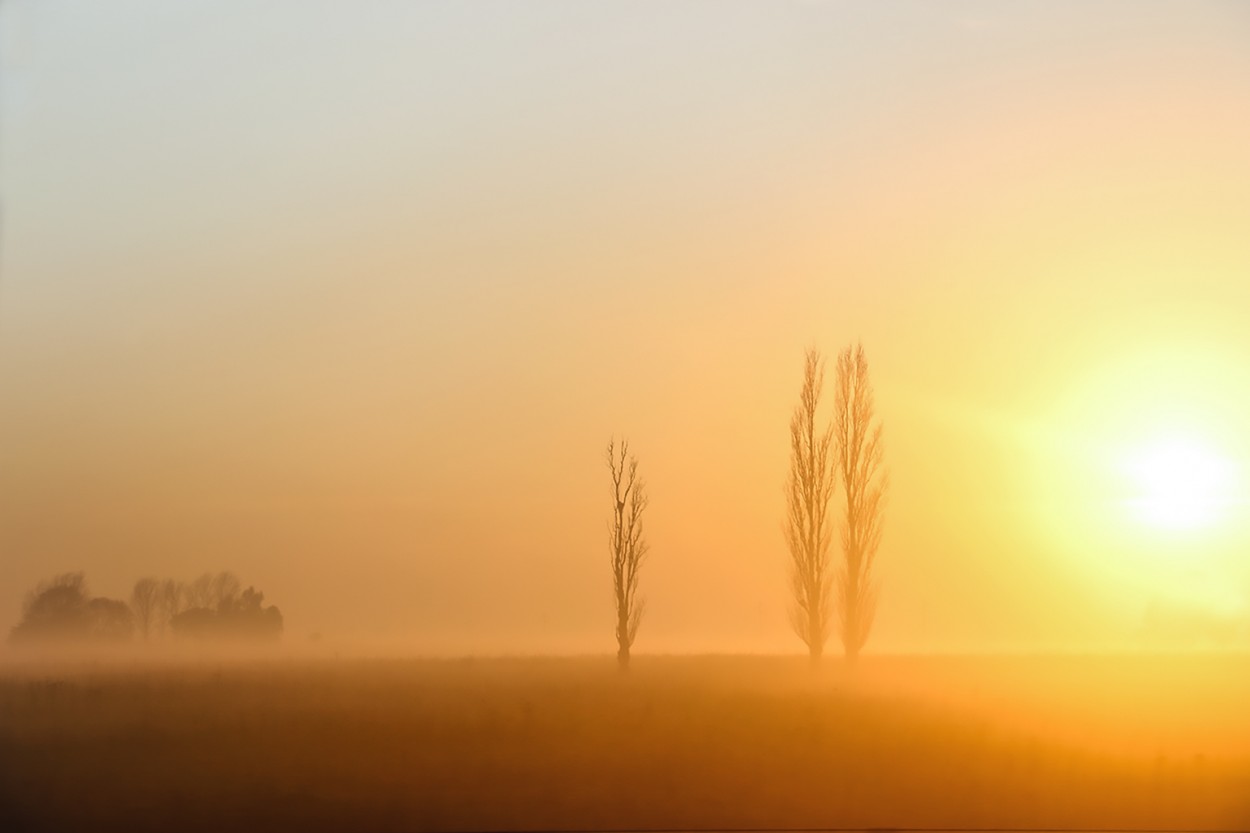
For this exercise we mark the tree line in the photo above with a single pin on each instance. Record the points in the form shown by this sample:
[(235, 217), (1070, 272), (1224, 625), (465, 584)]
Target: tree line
[(841, 454), (212, 606)]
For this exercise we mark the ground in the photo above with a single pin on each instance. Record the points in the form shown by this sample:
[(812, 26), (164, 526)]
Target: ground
[(718, 742)]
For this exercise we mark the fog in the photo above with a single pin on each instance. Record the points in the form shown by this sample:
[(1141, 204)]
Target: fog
[(351, 302), (605, 416)]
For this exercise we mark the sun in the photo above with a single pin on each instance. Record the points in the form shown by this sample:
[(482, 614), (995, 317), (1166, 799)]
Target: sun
[(1180, 484)]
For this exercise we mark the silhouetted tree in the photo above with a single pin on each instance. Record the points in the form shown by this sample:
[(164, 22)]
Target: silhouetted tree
[(247, 615), (61, 609), (109, 619), (55, 608), (859, 454), (210, 590), (626, 545), (225, 589), (171, 602), (232, 614), (808, 491), (198, 622), (145, 603), (199, 593)]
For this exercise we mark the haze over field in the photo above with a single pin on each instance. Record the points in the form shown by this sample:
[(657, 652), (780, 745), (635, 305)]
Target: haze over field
[(349, 298)]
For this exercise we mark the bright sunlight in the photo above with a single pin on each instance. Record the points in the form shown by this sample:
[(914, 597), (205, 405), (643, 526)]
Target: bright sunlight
[(1180, 483)]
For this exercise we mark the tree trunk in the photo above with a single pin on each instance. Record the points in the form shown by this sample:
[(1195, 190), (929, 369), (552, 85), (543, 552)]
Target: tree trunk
[(851, 642), (622, 641), (815, 644)]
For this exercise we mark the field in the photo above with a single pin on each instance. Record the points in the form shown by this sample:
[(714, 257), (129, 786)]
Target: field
[(507, 744)]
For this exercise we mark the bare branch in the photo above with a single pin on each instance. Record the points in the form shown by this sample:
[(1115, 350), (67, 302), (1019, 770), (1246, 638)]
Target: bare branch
[(808, 490), (860, 454), (627, 547), (145, 604)]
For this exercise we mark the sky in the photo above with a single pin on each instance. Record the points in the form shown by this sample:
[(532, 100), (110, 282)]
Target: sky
[(349, 298)]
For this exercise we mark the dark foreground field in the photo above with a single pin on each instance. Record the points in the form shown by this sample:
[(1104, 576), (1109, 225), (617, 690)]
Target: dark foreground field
[(678, 743)]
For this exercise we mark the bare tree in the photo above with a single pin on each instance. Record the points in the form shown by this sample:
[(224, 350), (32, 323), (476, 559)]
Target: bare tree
[(172, 596), (145, 603), (626, 545), (225, 589), (859, 455), (199, 593), (809, 489)]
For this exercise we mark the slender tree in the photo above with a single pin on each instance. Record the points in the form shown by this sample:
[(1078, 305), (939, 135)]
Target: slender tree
[(809, 489), (864, 482), (145, 604), (626, 545)]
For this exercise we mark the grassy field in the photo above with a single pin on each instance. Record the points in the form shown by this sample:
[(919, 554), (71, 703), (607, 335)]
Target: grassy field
[(677, 743)]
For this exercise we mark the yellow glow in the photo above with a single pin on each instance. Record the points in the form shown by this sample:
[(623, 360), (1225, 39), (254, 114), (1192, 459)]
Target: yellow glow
[(1180, 484)]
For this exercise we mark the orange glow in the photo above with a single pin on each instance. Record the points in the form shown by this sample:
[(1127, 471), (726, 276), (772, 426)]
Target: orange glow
[(386, 342), (552, 415)]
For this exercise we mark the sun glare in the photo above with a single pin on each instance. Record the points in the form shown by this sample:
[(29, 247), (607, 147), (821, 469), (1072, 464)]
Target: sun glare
[(1180, 484)]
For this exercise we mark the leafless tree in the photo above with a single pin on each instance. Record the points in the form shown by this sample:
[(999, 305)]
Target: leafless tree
[(145, 603), (172, 597), (859, 458), (199, 593), (626, 545), (809, 489), (225, 589)]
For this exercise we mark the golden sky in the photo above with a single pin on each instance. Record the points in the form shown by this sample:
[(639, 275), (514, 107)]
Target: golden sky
[(349, 298)]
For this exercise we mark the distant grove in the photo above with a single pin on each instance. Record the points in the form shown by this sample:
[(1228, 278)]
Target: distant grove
[(213, 606)]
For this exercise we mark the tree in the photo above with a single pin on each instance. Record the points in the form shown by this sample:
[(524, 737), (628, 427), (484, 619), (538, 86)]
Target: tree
[(626, 545), (61, 609), (239, 615), (171, 602), (211, 590), (809, 489), (109, 620), (225, 589), (56, 609), (864, 482), (247, 615), (199, 593), (145, 603)]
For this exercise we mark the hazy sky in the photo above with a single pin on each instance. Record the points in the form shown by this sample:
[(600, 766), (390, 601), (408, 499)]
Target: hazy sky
[(349, 297)]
